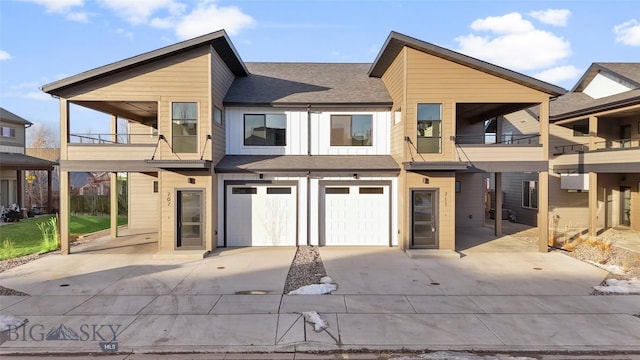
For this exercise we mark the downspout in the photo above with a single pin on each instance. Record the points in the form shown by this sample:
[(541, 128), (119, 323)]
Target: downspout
[(308, 176)]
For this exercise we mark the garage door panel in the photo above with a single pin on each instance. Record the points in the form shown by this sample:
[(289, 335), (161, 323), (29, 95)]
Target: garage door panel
[(261, 216), (356, 215)]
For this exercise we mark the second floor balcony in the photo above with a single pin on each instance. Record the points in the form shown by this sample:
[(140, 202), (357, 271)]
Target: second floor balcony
[(619, 155), (112, 147)]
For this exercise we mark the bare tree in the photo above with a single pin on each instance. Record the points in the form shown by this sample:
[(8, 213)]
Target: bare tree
[(44, 143)]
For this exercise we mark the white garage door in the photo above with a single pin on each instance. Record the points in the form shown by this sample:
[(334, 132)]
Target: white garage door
[(356, 215), (261, 215)]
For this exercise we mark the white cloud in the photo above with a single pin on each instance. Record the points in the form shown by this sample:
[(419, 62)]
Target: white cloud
[(58, 6), (139, 11), (208, 17), (125, 33), (628, 33), (506, 24), (556, 17), (559, 74), (78, 16), (514, 43), (27, 90), (4, 55)]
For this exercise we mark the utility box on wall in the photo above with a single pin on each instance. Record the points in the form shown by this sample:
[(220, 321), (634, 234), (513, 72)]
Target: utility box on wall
[(574, 182)]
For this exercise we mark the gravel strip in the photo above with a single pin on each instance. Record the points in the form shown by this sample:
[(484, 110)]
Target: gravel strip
[(306, 269), (10, 292), (15, 262)]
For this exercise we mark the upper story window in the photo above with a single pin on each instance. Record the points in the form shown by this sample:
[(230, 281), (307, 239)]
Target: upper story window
[(530, 194), (580, 130), (265, 130), (429, 128), (351, 130), (184, 119), (217, 115), (6, 131)]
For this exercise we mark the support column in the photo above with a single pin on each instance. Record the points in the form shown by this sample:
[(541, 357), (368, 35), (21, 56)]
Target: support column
[(114, 129), (113, 194), (593, 204), (498, 206), (20, 189), (544, 240), (63, 219), (49, 191), (593, 133)]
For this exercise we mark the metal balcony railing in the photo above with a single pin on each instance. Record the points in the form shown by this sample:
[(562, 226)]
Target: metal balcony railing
[(629, 143), (505, 139), (108, 138)]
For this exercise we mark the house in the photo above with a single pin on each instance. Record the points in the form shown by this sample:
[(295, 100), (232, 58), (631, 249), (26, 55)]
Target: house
[(595, 151), (595, 162), (226, 153), (14, 162)]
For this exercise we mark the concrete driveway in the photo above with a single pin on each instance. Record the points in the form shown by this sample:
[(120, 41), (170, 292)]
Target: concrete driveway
[(385, 300)]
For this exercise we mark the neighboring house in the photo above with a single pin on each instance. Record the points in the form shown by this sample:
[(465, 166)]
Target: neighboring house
[(226, 153), (13, 160), (595, 152)]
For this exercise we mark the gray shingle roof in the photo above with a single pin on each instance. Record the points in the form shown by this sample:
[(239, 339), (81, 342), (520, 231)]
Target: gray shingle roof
[(630, 71), (8, 116), (283, 163), (307, 83), (17, 161), (578, 104)]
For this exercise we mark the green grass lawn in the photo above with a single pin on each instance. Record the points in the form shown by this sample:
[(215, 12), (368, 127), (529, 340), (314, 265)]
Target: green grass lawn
[(24, 237)]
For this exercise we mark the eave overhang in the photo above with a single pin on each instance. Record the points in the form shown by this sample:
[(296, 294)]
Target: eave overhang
[(180, 165)]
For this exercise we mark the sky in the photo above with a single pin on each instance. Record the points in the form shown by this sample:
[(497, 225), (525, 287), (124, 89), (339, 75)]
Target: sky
[(42, 41)]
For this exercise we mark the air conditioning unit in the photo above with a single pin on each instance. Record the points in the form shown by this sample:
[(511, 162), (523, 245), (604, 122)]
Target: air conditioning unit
[(574, 182)]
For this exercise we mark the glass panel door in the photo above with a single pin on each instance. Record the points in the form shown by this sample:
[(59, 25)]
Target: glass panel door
[(189, 219), (424, 222), (625, 205)]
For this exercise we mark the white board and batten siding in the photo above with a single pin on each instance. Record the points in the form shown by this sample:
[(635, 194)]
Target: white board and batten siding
[(380, 129), (296, 133)]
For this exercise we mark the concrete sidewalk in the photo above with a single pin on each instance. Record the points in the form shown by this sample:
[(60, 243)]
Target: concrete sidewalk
[(385, 301)]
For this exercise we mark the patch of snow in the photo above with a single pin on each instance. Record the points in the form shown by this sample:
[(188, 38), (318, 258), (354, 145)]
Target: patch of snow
[(8, 321), (615, 286), (318, 322), (452, 355), (315, 289), (326, 280), (614, 269)]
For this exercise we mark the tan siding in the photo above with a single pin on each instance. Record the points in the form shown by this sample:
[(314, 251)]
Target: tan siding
[(169, 183), (394, 81), (470, 200), (444, 182), (568, 211), (520, 123), (110, 152), (434, 80), (18, 140), (499, 153), (143, 202), (141, 134), (221, 80)]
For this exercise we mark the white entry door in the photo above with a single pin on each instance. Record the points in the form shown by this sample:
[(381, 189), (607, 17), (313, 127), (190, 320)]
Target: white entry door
[(261, 215), (355, 215)]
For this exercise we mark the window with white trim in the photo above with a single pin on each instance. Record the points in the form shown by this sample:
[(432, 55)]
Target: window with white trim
[(530, 194)]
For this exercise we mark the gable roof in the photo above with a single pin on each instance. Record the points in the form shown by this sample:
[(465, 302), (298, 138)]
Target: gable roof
[(219, 40), (396, 42), (578, 104), (307, 83), (629, 72), (8, 116)]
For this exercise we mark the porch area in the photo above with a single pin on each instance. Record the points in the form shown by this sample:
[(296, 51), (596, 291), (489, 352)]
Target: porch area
[(515, 238)]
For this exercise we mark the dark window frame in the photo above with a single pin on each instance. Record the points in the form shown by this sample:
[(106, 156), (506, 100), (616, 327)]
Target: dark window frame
[(180, 121), (351, 141), (434, 139), (275, 137), (530, 194), (580, 130)]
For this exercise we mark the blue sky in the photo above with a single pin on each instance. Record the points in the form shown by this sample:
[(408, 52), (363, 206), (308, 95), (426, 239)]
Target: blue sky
[(45, 40)]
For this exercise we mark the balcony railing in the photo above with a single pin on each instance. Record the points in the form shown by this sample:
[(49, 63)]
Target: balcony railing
[(505, 139), (600, 145), (108, 138)]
